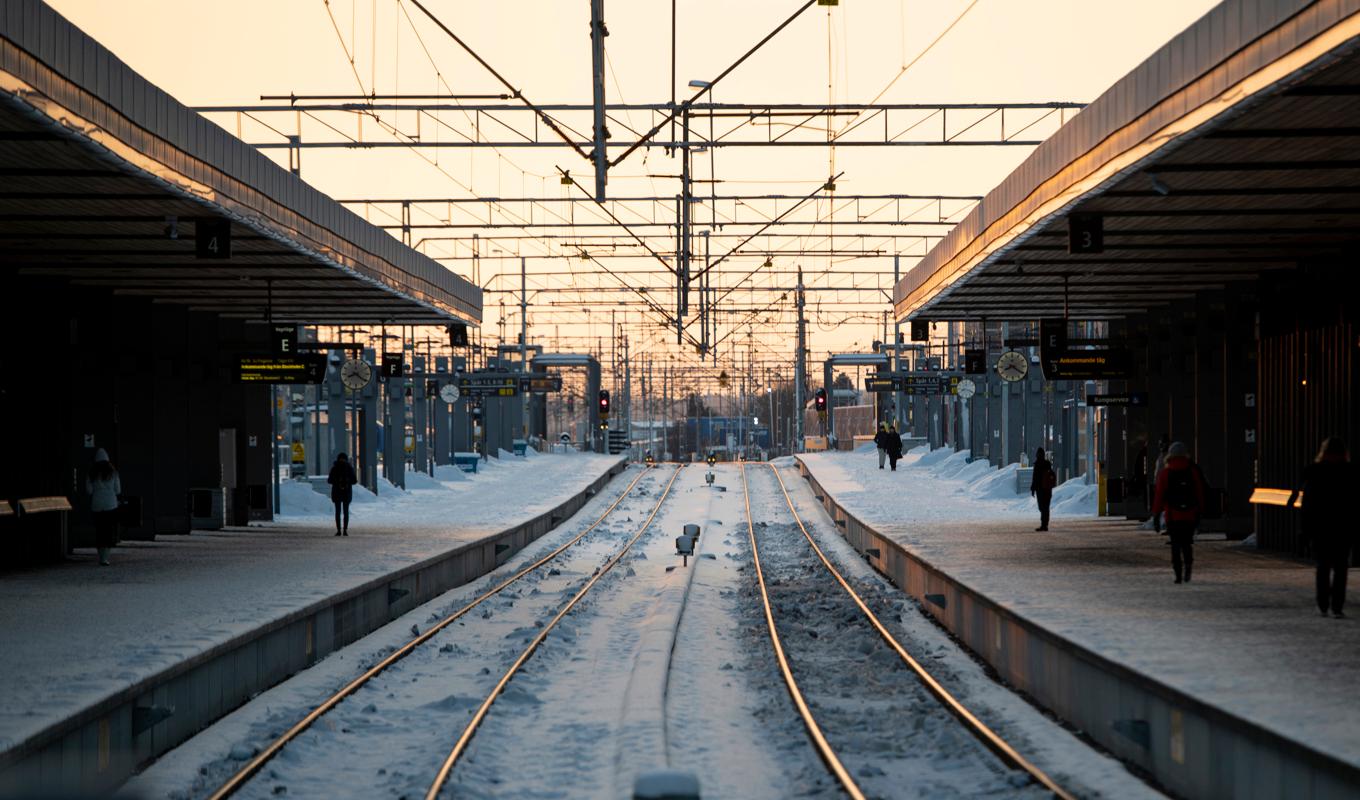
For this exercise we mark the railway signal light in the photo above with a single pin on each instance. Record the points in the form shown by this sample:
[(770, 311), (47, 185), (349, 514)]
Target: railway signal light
[(604, 402), (820, 400)]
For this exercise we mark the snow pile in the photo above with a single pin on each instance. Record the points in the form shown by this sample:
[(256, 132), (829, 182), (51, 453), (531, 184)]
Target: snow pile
[(1075, 497), (972, 488), (298, 497), (419, 480), (996, 485), (919, 450), (448, 473)]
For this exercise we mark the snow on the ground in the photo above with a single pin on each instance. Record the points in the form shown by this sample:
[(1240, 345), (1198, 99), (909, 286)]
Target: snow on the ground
[(419, 704), (1054, 749), (661, 666), (958, 486), (76, 633), (892, 735), (1230, 638)]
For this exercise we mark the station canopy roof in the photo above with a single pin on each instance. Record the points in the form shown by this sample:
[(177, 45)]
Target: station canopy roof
[(104, 177), (1232, 151)]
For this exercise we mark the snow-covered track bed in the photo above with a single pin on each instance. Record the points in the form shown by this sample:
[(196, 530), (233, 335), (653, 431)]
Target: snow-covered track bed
[(882, 725), (408, 702)]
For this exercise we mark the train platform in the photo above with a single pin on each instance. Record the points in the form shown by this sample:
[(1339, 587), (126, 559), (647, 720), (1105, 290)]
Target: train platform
[(1059, 614), (122, 644)]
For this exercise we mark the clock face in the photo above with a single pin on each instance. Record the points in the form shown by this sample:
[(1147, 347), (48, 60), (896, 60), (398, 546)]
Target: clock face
[(448, 392), (966, 388), (355, 374), (1012, 366)]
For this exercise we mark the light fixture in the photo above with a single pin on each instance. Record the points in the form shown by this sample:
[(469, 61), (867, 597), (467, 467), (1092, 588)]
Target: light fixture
[(1157, 185), (698, 84)]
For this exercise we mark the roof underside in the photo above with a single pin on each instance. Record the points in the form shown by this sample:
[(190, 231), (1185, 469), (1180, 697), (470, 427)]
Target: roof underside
[(1272, 182), (105, 193)]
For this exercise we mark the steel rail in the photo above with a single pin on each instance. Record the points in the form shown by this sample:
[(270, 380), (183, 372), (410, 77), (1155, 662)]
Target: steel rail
[(814, 730), (253, 766), (977, 727), (465, 738)]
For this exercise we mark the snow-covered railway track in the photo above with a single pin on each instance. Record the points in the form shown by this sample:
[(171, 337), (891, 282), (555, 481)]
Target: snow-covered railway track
[(864, 688), (242, 777)]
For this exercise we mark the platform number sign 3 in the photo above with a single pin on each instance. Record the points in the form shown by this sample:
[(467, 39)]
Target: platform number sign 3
[(1085, 233), (212, 238)]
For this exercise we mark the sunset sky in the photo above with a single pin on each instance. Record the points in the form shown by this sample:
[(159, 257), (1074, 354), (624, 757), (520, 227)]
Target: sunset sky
[(998, 51)]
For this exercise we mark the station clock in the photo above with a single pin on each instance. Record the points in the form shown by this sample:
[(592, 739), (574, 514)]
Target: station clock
[(355, 374), (1012, 366)]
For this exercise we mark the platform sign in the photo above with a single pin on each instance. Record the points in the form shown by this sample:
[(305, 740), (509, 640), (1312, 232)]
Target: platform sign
[(1052, 344), (920, 330), (489, 385), (916, 385), (212, 238), (1085, 234), (299, 453), (1127, 400), (284, 339), (975, 361), (1089, 365), (883, 382), (458, 335), (540, 383), (393, 365), (309, 368)]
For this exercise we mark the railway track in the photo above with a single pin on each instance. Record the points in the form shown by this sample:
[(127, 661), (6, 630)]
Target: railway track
[(828, 709), (242, 777)]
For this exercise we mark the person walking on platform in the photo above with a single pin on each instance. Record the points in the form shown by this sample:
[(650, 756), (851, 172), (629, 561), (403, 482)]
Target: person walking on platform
[(894, 448), (1041, 485), (342, 480), (881, 442), (103, 485), (1329, 486), (1180, 493)]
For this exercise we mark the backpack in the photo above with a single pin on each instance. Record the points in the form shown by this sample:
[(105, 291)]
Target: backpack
[(1050, 479), (1180, 490)]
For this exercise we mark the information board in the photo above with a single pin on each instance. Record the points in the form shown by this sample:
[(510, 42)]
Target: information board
[(308, 368), (489, 385)]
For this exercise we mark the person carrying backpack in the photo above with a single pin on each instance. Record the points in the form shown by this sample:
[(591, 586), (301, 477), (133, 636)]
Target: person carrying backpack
[(1180, 493), (1041, 485)]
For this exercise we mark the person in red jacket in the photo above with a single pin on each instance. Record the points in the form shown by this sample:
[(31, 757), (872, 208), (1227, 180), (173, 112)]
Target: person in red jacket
[(1180, 493)]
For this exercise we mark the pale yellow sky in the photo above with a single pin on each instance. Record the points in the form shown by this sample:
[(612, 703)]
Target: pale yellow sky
[(1000, 51)]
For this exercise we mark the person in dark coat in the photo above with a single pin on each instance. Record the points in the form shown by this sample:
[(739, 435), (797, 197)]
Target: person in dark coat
[(881, 442), (342, 480), (1041, 485), (1180, 494), (1329, 489), (104, 486), (894, 448)]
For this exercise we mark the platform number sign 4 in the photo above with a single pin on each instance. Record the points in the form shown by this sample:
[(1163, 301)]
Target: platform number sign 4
[(212, 238)]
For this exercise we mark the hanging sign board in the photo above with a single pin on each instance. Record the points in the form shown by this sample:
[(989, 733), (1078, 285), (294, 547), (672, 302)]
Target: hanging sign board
[(489, 385), (541, 383), (883, 382), (284, 339), (1127, 400), (1089, 365), (393, 365), (975, 361), (310, 368), (212, 238)]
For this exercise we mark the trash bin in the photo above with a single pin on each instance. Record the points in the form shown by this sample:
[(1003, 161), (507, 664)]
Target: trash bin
[(518, 447)]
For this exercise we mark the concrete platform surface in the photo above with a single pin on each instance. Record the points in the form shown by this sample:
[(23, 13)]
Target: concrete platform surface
[(77, 633), (1244, 636)]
